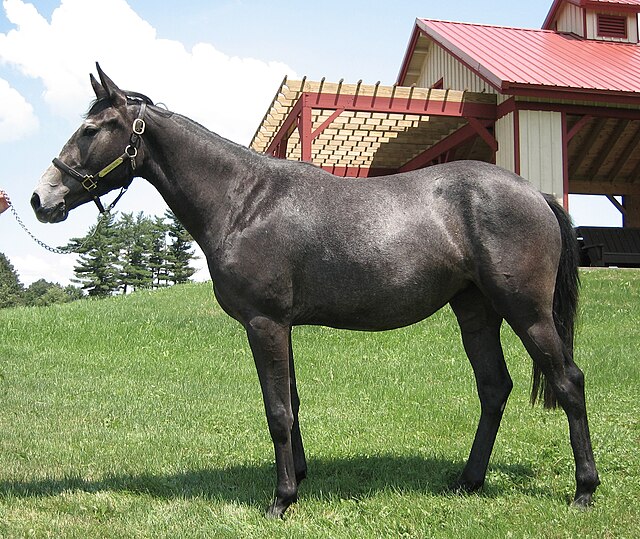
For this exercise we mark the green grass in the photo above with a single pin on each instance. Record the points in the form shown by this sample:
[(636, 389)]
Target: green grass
[(141, 416)]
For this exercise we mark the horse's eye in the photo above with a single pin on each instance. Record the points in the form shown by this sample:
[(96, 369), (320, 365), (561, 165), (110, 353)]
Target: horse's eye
[(89, 131)]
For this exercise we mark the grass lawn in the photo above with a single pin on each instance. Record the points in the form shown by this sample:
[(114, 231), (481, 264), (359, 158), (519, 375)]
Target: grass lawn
[(141, 416)]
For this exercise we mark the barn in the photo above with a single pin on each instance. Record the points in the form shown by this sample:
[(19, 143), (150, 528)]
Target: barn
[(558, 105)]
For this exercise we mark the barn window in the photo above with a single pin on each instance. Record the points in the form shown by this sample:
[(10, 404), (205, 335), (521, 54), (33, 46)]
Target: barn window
[(612, 26)]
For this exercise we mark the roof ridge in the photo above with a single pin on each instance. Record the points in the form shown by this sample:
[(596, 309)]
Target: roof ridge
[(506, 27)]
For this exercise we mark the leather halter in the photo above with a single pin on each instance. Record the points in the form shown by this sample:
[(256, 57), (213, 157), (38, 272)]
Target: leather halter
[(90, 181)]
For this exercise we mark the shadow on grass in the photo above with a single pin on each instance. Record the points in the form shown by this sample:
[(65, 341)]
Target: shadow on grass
[(344, 478)]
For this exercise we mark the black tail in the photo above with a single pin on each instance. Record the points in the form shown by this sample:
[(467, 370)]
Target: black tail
[(565, 299)]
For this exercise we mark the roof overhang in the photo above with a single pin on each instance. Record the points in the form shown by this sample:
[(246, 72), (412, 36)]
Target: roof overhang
[(360, 129)]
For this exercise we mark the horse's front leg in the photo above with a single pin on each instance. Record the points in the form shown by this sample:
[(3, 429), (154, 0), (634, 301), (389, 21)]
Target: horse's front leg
[(270, 346)]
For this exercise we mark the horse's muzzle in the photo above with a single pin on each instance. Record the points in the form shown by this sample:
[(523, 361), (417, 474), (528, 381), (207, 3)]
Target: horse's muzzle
[(54, 214)]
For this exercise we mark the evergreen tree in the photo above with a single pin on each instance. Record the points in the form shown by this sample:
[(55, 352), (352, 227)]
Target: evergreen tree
[(11, 290), (135, 239), (157, 253), (179, 250), (97, 270)]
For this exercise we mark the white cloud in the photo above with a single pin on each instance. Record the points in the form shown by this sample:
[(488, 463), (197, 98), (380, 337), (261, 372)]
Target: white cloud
[(16, 114), (53, 268), (227, 94)]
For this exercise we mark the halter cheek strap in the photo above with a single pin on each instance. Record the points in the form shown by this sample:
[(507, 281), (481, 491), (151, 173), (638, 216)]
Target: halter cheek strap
[(90, 181)]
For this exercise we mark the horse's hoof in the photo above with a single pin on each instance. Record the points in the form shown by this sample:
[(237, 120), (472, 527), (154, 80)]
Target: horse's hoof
[(278, 508), (460, 486), (582, 501), (275, 512)]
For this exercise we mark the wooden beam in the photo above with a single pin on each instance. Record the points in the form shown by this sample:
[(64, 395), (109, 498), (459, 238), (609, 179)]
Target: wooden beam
[(632, 211), (437, 104), (284, 129), (452, 141), (608, 148), (326, 123), (586, 147), (603, 188), (578, 126), (617, 204), (304, 127), (630, 149), (484, 133)]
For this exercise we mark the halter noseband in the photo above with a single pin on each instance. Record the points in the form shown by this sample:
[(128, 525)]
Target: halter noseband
[(90, 181)]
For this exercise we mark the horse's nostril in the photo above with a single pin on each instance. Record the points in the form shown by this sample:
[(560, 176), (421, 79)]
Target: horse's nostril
[(35, 202)]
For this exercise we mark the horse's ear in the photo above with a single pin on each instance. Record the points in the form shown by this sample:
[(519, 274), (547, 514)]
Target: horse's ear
[(114, 93), (100, 92)]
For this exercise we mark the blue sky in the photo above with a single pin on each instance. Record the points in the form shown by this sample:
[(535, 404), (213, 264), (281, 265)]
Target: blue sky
[(218, 61)]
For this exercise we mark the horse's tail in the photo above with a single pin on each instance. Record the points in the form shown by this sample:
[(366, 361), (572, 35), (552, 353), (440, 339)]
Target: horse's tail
[(565, 299)]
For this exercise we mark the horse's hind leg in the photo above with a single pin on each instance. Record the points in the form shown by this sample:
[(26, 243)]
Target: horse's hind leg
[(567, 381), (480, 327)]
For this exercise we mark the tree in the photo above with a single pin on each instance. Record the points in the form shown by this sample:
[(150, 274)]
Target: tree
[(179, 250), (97, 269), (11, 290), (42, 293), (157, 254), (135, 240)]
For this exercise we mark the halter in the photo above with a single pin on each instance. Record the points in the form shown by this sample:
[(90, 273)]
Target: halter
[(90, 181)]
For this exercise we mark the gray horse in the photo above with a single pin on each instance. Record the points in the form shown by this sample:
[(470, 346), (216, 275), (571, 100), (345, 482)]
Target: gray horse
[(289, 244)]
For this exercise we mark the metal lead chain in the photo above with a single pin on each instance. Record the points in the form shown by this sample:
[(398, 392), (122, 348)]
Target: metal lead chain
[(56, 250)]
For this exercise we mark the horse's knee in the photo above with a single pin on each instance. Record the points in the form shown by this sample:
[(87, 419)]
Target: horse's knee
[(280, 420)]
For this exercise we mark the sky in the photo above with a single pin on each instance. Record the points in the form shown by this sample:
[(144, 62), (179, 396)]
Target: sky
[(219, 62)]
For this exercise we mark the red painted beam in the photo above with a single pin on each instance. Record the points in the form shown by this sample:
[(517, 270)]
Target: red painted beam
[(305, 124), (433, 107), (357, 172), (578, 126), (326, 124), (484, 133), (284, 131)]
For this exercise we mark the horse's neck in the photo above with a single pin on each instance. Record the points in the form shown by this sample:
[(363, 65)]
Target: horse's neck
[(195, 171)]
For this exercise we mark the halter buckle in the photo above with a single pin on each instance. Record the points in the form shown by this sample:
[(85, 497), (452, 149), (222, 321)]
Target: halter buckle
[(89, 183)]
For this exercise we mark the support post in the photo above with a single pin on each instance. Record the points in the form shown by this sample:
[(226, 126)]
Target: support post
[(631, 217), (304, 127)]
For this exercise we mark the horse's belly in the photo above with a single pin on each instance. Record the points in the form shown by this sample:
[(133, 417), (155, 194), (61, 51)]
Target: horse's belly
[(369, 303)]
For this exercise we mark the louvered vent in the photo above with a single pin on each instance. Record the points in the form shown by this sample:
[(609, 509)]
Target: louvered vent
[(612, 26)]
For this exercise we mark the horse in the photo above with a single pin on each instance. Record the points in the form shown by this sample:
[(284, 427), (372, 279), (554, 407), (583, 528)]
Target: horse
[(288, 244)]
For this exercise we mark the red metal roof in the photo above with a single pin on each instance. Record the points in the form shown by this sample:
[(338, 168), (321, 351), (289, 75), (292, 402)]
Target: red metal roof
[(516, 60), (611, 2)]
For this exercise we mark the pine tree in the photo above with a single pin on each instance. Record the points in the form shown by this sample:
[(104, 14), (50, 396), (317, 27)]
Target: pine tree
[(179, 250), (97, 269), (135, 240), (11, 289), (157, 253)]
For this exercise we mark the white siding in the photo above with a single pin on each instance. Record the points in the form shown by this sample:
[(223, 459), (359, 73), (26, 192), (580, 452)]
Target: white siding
[(541, 150), (506, 155), (571, 20), (440, 64)]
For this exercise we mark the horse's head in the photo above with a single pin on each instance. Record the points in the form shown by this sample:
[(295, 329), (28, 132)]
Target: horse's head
[(99, 157)]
